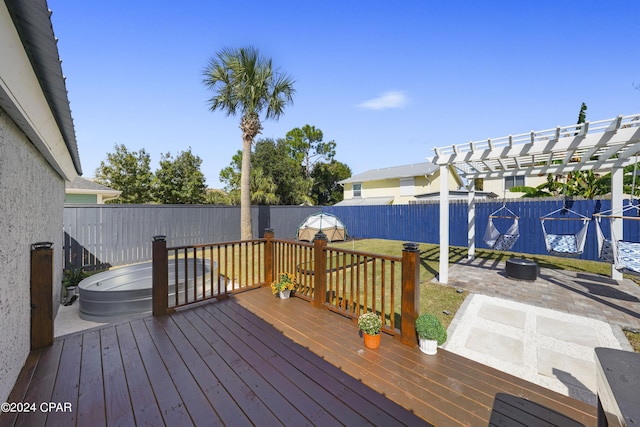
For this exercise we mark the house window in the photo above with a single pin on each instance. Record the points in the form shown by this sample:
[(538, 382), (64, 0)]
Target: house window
[(513, 181), (407, 187), (357, 190), (479, 184)]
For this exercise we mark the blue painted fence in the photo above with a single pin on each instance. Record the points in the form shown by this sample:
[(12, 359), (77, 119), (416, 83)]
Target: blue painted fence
[(421, 222)]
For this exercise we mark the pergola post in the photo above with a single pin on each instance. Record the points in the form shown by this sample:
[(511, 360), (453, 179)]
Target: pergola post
[(471, 220), (617, 178), (443, 277)]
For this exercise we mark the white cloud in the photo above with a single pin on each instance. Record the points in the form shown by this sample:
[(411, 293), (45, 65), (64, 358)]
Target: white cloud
[(386, 100)]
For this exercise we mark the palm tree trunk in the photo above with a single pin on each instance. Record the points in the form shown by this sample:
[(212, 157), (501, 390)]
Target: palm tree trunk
[(245, 189)]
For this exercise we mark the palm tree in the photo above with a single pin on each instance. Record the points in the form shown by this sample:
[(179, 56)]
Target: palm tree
[(246, 83)]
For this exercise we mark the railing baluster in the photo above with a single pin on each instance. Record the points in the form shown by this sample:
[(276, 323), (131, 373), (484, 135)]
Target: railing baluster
[(220, 277), (392, 303), (382, 289), (358, 285), (176, 275)]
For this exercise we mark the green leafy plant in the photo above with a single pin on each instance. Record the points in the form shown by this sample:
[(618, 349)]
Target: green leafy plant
[(429, 327), (285, 281), (73, 276), (370, 323)]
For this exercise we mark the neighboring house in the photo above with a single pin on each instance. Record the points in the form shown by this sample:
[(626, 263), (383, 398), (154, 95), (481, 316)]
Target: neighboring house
[(462, 194), (85, 191), (38, 153), (501, 186), (395, 185)]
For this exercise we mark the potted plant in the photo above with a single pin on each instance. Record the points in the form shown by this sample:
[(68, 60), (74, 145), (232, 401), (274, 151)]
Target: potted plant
[(431, 333), (70, 280), (283, 285), (370, 324)]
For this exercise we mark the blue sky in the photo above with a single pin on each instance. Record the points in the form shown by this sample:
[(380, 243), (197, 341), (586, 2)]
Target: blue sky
[(387, 81)]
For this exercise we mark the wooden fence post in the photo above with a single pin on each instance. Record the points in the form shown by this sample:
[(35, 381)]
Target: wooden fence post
[(41, 295), (319, 269), (268, 256), (160, 272), (410, 293)]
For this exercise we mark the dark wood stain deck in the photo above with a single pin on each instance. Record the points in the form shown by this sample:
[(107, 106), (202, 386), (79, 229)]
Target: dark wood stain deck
[(214, 364), (253, 359), (445, 389)]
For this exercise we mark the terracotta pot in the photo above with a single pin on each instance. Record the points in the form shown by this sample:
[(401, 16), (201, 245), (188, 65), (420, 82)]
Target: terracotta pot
[(285, 294), (371, 341)]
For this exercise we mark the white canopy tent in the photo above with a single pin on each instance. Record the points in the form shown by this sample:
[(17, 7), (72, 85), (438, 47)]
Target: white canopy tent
[(605, 145)]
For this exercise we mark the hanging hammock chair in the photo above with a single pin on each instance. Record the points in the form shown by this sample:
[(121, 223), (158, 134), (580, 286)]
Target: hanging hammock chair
[(502, 241), (605, 250), (567, 245), (623, 254)]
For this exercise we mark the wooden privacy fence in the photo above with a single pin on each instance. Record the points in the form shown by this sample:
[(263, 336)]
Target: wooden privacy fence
[(343, 281), (109, 235), (421, 222), (106, 235)]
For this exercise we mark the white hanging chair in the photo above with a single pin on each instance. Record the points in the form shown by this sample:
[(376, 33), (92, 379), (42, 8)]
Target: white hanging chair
[(502, 241), (567, 245), (623, 254)]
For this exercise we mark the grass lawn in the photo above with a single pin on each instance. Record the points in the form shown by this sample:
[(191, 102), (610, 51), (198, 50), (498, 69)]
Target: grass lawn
[(436, 298)]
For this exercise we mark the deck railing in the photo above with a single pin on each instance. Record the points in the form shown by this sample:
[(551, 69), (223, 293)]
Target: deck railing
[(200, 272), (344, 281)]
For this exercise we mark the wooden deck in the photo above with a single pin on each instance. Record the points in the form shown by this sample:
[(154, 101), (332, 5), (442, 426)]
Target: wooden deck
[(445, 389), (253, 359)]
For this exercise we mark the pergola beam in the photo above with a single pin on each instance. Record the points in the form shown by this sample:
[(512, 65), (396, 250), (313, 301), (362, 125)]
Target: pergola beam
[(603, 145)]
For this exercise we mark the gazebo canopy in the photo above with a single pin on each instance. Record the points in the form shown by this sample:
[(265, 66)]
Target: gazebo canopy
[(605, 145)]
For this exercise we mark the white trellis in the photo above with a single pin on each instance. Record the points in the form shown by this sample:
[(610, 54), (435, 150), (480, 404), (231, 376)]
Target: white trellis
[(605, 145)]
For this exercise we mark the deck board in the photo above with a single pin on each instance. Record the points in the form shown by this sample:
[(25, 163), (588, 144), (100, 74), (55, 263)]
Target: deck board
[(118, 405), (225, 407), (321, 406), (255, 359), (172, 407), (91, 404), (472, 387), (143, 401)]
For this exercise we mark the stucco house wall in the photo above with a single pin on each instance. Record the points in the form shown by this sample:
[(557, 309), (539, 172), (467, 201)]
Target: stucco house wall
[(38, 153), (497, 186), (32, 195), (391, 187)]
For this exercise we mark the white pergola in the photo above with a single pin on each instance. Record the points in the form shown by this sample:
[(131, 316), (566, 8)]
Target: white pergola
[(603, 146)]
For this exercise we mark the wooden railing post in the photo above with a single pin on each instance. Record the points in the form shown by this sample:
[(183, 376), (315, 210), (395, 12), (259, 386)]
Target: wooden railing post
[(410, 293), (160, 272), (319, 269), (268, 256), (41, 295)]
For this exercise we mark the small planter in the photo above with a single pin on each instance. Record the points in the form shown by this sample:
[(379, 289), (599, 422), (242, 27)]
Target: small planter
[(285, 294), (429, 347), (431, 333), (283, 285), (71, 291), (371, 341)]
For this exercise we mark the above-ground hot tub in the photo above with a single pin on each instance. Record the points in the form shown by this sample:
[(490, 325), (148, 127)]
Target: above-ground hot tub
[(125, 292)]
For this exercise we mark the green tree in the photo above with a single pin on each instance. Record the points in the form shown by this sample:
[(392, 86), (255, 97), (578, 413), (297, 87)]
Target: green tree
[(263, 189), (179, 180), (582, 116), (326, 190), (216, 197), (550, 188), (246, 83), (587, 185), (128, 172), (308, 148), (274, 157)]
